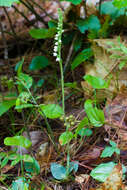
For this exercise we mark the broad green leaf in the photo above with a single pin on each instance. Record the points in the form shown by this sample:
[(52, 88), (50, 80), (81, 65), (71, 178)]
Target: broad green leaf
[(85, 132), (75, 2), (73, 166), (65, 137), (7, 3), (81, 125), (6, 105), (27, 158), (78, 43), (52, 24), (42, 33), (58, 171), (26, 80), (38, 62), (31, 165), (96, 116), (23, 106), (13, 156), (91, 23), (120, 3), (20, 184), (16, 161), (17, 141), (108, 152), (81, 57), (102, 171), (108, 8), (117, 150), (113, 144), (2, 155), (51, 111), (96, 82)]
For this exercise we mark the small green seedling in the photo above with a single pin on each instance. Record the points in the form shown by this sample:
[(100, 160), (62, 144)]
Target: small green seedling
[(60, 172), (95, 115), (110, 150)]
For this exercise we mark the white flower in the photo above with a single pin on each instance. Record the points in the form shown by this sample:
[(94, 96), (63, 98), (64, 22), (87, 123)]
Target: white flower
[(58, 59), (62, 30), (56, 38), (55, 48), (60, 41), (56, 35), (55, 54), (56, 43)]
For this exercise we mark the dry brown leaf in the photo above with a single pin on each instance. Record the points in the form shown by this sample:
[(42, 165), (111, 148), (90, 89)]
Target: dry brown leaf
[(104, 65), (90, 155), (114, 181), (81, 178), (116, 119)]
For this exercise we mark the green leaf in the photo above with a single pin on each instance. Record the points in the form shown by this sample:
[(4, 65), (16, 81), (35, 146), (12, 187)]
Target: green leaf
[(121, 65), (74, 2), (58, 171), (65, 137), (108, 8), (91, 23), (113, 144), (6, 105), (42, 33), (71, 85), (52, 24), (73, 166), (96, 82), (17, 141), (108, 152), (18, 67), (81, 125), (38, 62), (2, 155), (40, 83), (78, 43), (31, 165), (81, 57), (27, 158), (20, 184), (4, 162), (51, 111), (7, 3), (117, 150), (26, 80), (120, 3), (102, 171), (22, 106), (85, 132), (96, 116), (16, 161)]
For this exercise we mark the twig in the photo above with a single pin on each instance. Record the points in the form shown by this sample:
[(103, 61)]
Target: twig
[(70, 53), (4, 41), (41, 8), (13, 31), (30, 7), (22, 14)]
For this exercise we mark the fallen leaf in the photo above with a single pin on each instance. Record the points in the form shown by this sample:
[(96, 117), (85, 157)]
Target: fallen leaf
[(81, 178), (114, 181)]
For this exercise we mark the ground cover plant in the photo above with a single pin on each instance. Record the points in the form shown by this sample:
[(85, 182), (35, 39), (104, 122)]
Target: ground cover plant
[(63, 95)]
